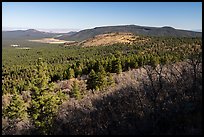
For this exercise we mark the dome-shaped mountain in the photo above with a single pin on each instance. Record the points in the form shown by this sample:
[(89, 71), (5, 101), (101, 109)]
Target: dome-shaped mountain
[(138, 30)]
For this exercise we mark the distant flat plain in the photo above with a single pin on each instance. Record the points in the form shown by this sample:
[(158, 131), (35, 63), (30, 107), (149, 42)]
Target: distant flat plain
[(51, 41)]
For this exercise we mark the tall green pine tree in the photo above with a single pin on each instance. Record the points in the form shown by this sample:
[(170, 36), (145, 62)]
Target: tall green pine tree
[(101, 81), (75, 90), (116, 66), (45, 102), (92, 80)]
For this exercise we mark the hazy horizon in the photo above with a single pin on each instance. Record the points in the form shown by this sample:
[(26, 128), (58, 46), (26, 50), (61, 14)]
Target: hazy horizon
[(76, 16), (55, 30), (61, 30)]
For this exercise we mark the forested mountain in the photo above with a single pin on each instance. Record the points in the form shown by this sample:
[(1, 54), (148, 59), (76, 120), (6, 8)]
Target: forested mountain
[(26, 34), (139, 30), (22, 37), (90, 33)]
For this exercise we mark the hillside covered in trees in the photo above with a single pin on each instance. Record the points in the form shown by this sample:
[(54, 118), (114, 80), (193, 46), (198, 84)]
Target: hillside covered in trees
[(165, 31), (147, 88)]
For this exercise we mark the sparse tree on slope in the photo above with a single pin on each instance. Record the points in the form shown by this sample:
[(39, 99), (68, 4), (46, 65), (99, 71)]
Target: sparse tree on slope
[(75, 90)]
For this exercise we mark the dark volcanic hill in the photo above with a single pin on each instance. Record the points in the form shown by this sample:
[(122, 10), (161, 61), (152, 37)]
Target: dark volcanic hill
[(138, 30)]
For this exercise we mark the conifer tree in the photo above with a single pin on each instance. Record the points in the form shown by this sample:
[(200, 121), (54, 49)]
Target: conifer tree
[(92, 80), (70, 73), (65, 75), (101, 81), (97, 66), (109, 66), (140, 61), (154, 61), (41, 76), (14, 112), (44, 103), (163, 60), (78, 71), (118, 54), (75, 90), (110, 80), (116, 66), (16, 109)]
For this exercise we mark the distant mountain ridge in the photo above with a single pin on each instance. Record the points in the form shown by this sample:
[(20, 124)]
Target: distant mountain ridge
[(138, 30), (26, 34), (197, 30), (165, 31)]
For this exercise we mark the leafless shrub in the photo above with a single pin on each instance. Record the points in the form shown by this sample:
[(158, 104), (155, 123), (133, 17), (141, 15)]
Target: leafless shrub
[(152, 100), (158, 105)]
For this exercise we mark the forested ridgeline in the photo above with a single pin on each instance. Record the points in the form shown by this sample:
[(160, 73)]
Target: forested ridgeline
[(34, 104)]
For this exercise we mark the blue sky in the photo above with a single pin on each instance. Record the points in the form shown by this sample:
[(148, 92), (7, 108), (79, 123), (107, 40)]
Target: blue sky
[(67, 16)]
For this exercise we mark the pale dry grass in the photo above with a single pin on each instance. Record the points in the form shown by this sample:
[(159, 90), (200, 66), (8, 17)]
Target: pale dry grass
[(51, 41), (111, 38)]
